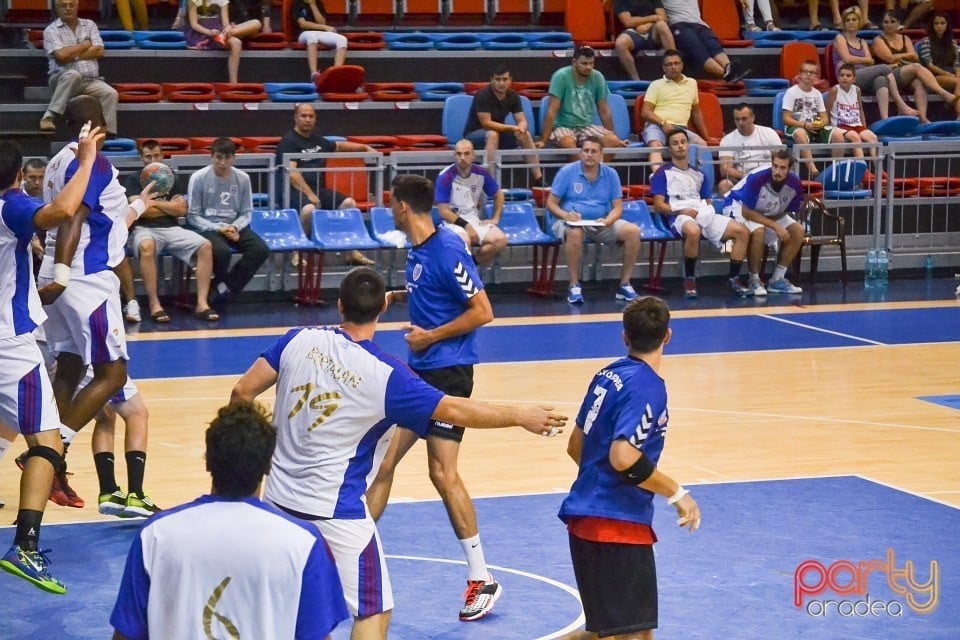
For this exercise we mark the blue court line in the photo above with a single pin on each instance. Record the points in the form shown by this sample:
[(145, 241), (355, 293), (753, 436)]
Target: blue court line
[(949, 401), (565, 341), (732, 578)]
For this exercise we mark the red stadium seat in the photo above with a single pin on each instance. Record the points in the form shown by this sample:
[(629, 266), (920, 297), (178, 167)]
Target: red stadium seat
[(139, 91), (422, 142), (170, 146), (793, 55), (723, 17), (341, 83), (391, 91), (260, 144), (188, 91), (240, 92), (274, 41), (586, 22), (354, 182), (365, 41)]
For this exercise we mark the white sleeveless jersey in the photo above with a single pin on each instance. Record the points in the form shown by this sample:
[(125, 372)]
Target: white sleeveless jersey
[(336, 398), (104, 234), (20, 308)]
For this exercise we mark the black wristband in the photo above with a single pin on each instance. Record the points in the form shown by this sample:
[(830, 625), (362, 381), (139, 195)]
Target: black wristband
[(639, 471), (460, 222)]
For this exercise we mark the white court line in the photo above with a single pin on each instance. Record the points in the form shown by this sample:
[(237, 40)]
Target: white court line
[(922, 496), (533, 576), (804, 325), (779, 416)]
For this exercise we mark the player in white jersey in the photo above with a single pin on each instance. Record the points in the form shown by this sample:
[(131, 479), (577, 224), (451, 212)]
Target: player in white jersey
[(228, 565), (85, 325), (26, 395), (338, 396)]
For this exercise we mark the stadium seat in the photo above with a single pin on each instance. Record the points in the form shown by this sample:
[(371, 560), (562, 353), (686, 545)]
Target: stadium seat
[(722, 89), (765, 87), (456, 110), (341, 83), (939, 187), (504, 42), (437, 91), (341, 230), (349, 176), (120, 147), (456, 42), (117, 40), (408, 41), (942, 130), (532, 90), (240, 92), (422, 142), (171, 146), (770, 39), (776, 117), (274, 41), (365, 41), (712, 116), (793, 55), (282, 232), (629, 89), (841, 180), (260, 144), (896, 129), (902, 187), (823, 229), (827, 70), (291, 91), (164, 40), (723, 17), (519, 223), (188, 91), (383, 228), (383, 144), (139, 91), (545, 41), (391, 91), (586, 22), (638, 212)]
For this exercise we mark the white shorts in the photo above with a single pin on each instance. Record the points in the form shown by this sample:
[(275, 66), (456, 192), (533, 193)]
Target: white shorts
[(328, 39), (481, 229), (770, 237), (86, 319), (712, 226), (127, 391), (27, 404), (363, 573), (181, 243)]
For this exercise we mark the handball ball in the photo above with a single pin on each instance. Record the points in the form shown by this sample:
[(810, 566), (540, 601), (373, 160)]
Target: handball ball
[(160, 175)]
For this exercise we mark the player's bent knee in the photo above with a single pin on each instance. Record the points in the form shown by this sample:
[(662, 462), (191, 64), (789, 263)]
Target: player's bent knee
[(47, 453)]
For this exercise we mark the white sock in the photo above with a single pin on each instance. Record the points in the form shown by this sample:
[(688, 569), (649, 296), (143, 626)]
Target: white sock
[(222, 288), (67, 434), (754, 276), (476, 565), (779, 273)]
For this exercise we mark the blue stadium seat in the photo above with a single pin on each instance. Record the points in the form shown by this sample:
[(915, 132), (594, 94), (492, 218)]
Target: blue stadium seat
[(618, 111), (896, 129), (842, 180), (437, 91), (519, 223), (456, 110), (777, 115), (456, 42), (408, 41), (291, 91), (120, 147), (117, 40), (528, 114), (702, 158), (341, 230), (765, 87), (381, 223), (166, 40), (628, 88), (281, 230), (943, 130), (504, 41), (638, 212), (549, 40)]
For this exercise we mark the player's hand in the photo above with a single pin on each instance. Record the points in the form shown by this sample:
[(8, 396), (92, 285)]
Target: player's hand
[(36, 247), (688, 212), (782, 233), (231, 233), (396, 297), (688, 513), (50, 292), (87, 145), (417, 339), (542, 421)]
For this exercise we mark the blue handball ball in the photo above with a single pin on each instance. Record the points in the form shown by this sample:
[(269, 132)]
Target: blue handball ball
[(161, 175)]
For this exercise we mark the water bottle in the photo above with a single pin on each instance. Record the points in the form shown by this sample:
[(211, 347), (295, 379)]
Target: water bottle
[(870, 270), (883, 268), (928, 266)]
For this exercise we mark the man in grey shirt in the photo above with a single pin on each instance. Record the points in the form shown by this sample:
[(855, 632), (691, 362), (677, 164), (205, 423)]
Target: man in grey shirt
[(220, 208)]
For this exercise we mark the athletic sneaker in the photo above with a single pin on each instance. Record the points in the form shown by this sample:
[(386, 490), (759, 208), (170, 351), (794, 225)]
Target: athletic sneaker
[(575, 295), (690, 288), (131, 313), (61, 492), (626, 293), (783, 286), (737, 287), (480, 598), (139, 506), (756, 285), (32, 566), (112, 504)]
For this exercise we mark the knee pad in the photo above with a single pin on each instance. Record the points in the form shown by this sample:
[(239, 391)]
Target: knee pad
[(48, 454)]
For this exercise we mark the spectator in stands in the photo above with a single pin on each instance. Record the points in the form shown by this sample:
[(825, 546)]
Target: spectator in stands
[(845, 106), (220, 205), (487, 122), (671, 102), (682, 193), (763, 202), (139, 12), (940, 53), (158, 230), (896, 49), (913, 17), (813, 7), (737, 159), (307, 191), (645, 28), (208, 26), (766, 11), (587, 202), (314, 31), (698, 43), (460, 194), (258, 10), (850, 48), (575, 92), (74, 46), (805, 116)]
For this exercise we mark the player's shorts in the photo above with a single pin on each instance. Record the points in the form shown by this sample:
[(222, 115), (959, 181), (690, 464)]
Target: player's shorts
[(27, 404), (712, 225), (126, 392), (358, 553), (579, 133), (86, 319), (735, 211), (478, 137), (481, 229), (453, 381), (179, 242), (617, 584), (603, 235)]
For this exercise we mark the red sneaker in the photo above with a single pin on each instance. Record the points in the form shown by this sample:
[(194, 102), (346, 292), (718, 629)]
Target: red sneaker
[(63, 494)]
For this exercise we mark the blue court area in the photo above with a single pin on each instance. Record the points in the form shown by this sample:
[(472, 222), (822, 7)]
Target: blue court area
[(952, 401), (734, 578), (233, 355)]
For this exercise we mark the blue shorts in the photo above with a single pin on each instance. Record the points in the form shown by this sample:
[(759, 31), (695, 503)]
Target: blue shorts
[(479, 139), (697, 42)]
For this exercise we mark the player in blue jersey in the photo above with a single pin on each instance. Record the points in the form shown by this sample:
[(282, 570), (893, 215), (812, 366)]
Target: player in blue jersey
[(617, 442), (229, 565), (338, 399), (26, 395), (447, 304), (763, 201)]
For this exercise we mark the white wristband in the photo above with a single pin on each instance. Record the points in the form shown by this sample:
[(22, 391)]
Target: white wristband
[(139, 206), (677, 496), (61, 274)]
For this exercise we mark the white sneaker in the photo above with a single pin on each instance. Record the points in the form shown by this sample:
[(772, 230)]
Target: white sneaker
[(132, 311), (783, 286), (756, 285)]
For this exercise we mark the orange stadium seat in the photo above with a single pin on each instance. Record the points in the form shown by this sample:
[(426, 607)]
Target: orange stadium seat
[(260, 144), (376, 12), (512, 12), (383, 144), (586, 21), (421, 12), (354, 182), (365, 41), (188, 91), (723, 17), (793, 55), (551, 12), (712, 116), (467, 12), (722, 88), (139, 91), (391, 91), (341, 83), (240, 92)]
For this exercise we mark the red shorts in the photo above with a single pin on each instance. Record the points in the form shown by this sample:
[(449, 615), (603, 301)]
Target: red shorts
[(856, 129)]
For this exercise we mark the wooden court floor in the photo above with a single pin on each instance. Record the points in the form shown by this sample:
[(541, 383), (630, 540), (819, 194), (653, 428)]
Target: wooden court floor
[(736, 415)]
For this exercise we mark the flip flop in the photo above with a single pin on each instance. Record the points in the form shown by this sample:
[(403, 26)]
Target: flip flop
[(209, 315), (160, 317)]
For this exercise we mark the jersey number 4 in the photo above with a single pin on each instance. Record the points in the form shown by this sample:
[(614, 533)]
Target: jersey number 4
[(324, 403)]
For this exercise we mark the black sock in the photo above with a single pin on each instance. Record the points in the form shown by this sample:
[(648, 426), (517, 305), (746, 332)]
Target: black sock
[(735, 268), (28, 529), (690, 267), (104, 463), (136, 462)]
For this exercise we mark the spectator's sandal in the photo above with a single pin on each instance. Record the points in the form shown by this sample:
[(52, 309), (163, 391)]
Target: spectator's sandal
[(209, 315), (160, 317)]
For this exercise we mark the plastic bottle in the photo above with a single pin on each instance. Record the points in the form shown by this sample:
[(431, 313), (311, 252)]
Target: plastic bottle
[(870, 270), (883, 268), (928, 266)]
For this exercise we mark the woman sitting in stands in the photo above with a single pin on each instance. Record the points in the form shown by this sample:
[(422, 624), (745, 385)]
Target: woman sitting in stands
[(896, 49), (940, 53), (312, 21), (208, 26)]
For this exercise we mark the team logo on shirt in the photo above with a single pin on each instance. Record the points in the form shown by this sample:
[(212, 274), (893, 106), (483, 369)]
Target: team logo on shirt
[(417, 271), (578, 188)]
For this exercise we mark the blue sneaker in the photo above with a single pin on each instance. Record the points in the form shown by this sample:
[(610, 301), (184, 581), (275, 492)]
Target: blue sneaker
[(32, 566), (783, 286), (575, 295), (626, 293), (737, 287)]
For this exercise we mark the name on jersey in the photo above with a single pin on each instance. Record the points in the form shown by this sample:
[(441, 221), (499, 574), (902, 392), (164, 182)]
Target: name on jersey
[(612, 377), (329, 366)]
